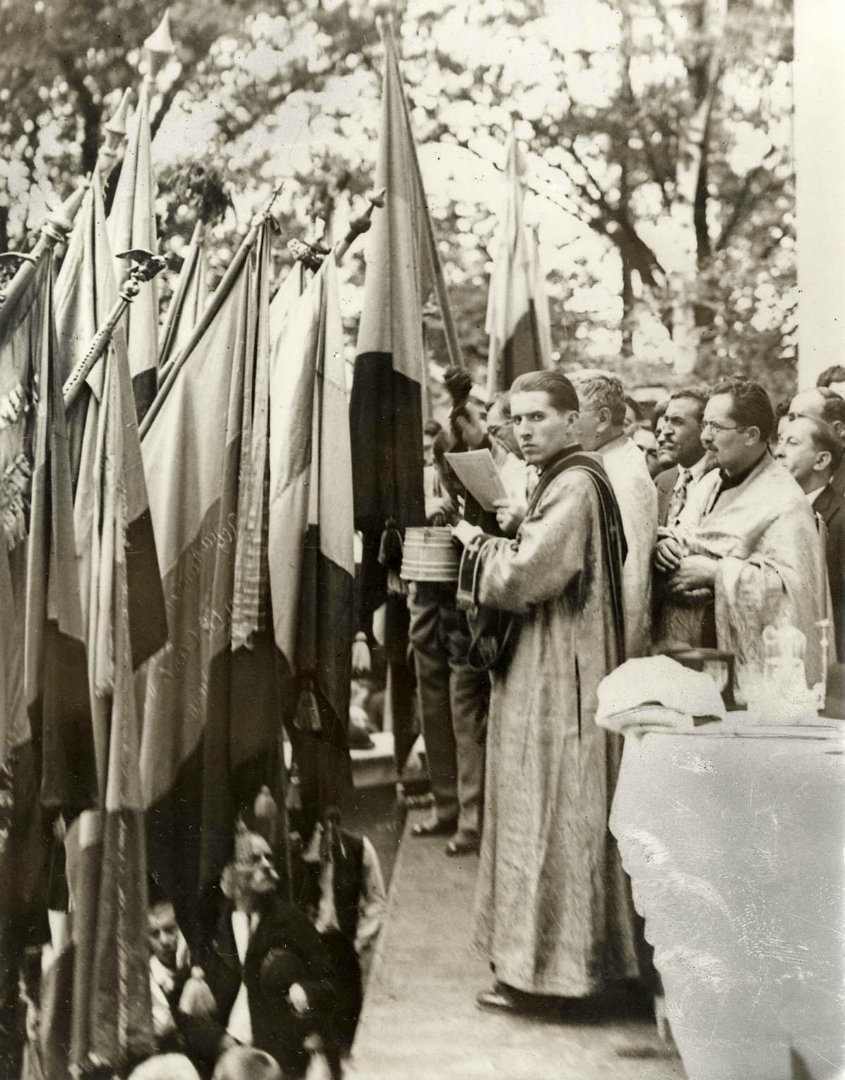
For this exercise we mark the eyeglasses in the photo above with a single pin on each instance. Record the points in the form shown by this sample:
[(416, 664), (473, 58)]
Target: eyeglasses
[(714, 426)]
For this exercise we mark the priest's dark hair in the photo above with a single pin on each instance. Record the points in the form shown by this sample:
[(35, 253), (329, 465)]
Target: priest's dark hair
[(752, 406), (836, 374), (554, 383)]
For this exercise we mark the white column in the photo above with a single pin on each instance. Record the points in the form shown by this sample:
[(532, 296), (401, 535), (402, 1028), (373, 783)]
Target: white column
[(820, 167)]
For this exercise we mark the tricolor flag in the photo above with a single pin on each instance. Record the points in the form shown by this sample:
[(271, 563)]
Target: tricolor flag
[(187, 303), (312, 563), (517, 306), (88, 294), (386, 405), (55, 656), (108, 870), (85, 290), (132, 224), (211, 708), (22, 841)]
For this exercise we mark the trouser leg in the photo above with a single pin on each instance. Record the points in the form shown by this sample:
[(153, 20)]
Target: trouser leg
[(469, 700), (432, 666)]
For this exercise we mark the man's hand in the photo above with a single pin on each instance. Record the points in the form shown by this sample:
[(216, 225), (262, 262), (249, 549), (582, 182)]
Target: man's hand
[(668, 554), (464, 532), (298, 998), (694, 572), (509, 514)]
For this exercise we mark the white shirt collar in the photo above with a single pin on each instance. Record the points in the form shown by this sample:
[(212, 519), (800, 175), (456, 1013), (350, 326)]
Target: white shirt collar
[(813, 495)]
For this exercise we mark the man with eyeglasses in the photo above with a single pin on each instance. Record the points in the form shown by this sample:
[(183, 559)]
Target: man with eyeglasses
[(745, 552), (680, 438)]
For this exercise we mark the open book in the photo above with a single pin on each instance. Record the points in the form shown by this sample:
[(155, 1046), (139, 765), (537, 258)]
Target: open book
[(477, 471)]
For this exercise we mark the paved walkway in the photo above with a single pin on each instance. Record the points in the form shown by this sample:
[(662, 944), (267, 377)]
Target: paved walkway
[(420, 1021)]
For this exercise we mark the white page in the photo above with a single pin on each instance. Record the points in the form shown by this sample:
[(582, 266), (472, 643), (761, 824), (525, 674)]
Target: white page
[(477, 471)]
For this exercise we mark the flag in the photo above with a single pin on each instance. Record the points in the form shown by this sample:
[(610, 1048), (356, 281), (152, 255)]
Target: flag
[(517, 305), (55, 656), (211, 706), (386, 404), (22, 846), (132, 224), (187, 302), (85, 291), (107, 862), (311, 529)]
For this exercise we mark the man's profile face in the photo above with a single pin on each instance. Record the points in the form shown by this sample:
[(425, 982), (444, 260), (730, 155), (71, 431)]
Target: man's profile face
[(721, 434), (256, 872), (680, 431), (541, 430), (796, 450), (472, 427), (428, 449), (163, 934)]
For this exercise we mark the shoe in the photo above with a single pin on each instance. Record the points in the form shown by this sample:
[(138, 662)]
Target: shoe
[(496, 999), (461, 845), (433, 828)]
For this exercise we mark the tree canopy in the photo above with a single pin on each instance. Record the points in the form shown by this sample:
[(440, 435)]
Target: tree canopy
[(657, 135)]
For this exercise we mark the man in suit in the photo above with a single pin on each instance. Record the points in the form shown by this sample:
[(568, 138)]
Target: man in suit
[(825, 405), (266, 966), (680, 437), (812, 451)]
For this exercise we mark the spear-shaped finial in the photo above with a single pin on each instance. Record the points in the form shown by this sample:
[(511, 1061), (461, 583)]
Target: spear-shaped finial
[(158, 48), (115, 133)]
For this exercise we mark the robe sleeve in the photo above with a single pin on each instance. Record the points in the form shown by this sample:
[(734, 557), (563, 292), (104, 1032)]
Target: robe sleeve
[(547, 553), (778, 583)]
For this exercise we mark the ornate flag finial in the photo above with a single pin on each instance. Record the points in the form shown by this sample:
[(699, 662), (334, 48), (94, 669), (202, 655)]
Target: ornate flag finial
[(159, 47)]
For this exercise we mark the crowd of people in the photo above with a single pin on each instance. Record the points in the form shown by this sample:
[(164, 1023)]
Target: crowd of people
[(619, 537), (270, 986)]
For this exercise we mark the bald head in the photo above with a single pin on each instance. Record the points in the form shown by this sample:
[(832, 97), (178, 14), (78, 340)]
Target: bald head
[(822, 404)]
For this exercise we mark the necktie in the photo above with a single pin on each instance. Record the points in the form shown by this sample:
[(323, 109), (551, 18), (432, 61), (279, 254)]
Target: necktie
[(679, 496)]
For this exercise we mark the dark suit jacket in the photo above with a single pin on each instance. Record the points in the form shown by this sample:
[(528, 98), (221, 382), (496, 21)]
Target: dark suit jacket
[(830, 506), (664, 482), (276, 1028)]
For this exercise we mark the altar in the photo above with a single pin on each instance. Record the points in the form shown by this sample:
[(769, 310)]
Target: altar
[(734, 837)]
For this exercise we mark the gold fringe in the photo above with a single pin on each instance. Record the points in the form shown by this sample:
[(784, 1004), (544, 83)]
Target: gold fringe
[(15, 485)]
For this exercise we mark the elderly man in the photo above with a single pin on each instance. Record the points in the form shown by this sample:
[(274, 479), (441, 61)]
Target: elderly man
[(602, 424), (553, 911), (680, 439), (811, 451), (745, 553), (825, 405), (266, 966)]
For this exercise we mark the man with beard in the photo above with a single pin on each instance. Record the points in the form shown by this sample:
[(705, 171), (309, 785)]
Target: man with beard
[(266, 965)]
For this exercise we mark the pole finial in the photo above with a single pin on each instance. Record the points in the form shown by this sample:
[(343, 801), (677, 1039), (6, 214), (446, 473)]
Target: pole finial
[(159, 47)]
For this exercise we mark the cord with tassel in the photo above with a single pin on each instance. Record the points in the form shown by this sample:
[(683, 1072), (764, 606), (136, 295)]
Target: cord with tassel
[(390, 556)]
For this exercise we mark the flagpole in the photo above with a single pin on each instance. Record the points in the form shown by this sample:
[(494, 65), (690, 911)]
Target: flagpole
[(385, 26), (145, 269), (212, 307), (55, 228), (359, 225)]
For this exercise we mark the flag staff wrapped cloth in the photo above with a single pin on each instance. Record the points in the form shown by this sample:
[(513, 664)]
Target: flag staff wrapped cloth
[(517, 305), (212, 709)]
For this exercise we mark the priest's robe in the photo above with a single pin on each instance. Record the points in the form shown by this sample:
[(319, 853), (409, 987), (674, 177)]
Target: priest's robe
[(636, 494), (553, 910), (771, 568)]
